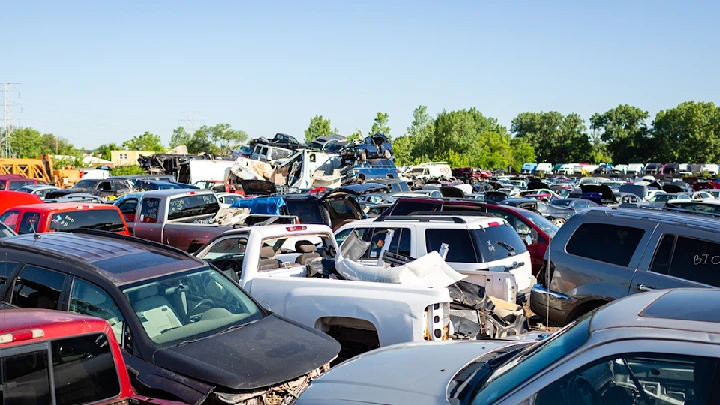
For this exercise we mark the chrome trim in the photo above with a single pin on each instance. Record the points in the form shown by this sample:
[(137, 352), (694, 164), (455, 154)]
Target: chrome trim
[(539, 288)]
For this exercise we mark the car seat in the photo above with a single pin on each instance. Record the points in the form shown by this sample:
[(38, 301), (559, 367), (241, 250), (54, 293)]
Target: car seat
[(267, 259), (154, 311), (307, 251), (92, 302)]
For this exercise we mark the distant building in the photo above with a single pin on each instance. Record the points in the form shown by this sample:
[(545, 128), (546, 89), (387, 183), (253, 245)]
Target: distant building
[(128, 157)]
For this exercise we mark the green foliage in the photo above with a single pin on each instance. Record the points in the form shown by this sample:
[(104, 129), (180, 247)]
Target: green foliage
[(380, 124), (522, 152), (29, 143), (555, 138), (146, 141), (624, 133), (355, 136), (689, 132), (180, 137), (226, 138), (403, 148), (69, 161), (318, 127), (104, 150), (126, 170)]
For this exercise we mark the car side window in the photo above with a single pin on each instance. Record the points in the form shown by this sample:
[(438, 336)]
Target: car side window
[(636, 378), (10, 218), (29, 223), (128, 206), (342, 235), (461, 248), (36, 287), (696, 260), (400, 243), (587, 237), (149, 210), (88, 299), (84, 370), (25, 375), (6, 270), (663, 254)]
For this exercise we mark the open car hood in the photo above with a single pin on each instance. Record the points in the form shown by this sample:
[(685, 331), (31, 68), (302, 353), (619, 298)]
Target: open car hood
[(260, 354), (606, 194), (672, 188), (258, 187)]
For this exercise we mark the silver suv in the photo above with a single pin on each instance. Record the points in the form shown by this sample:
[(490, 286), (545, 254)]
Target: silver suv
[(604, 254)]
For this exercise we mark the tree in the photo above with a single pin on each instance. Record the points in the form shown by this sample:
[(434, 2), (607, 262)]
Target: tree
[(146, 142), (26, 143), (403, 148), (179, 137), (58, 146), (104, 150), (555, 138), (130, 170), (421, 131), (357, 135), (318, 127), (201, 141), (522, 152), (380, 124), (226, 138), (625, 134), (688, 133)]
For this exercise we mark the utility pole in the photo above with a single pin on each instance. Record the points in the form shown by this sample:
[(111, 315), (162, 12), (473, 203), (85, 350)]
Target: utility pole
[(7, 119), (190, 120)]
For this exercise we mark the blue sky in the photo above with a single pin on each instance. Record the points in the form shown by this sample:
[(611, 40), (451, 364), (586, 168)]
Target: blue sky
[(97, 72)]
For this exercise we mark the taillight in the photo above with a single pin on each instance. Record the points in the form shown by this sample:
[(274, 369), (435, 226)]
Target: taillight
[(296, 228), (493, 224), (21, 335)]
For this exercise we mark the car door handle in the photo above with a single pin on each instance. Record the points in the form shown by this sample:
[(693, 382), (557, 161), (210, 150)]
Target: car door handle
[(644, 288)]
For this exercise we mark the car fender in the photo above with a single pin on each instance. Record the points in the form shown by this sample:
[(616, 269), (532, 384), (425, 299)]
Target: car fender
[(396, 311), (601, 290)]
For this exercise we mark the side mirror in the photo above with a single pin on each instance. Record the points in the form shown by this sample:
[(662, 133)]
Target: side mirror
[(528, 239)]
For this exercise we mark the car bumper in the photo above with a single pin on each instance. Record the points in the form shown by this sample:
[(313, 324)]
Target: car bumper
[(550, 304)]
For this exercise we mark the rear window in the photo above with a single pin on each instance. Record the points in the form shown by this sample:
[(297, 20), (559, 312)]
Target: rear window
[(408, 207), (308, 212), (88, 183), (104, 220), (460, 243), (192, 206), (10, 218), (607, 243), (497, 242), (14, 185)]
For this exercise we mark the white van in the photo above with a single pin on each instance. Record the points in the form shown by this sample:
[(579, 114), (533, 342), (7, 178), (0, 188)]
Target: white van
[(196, 170), (544, 167), (528, 168), (568, 169), (431, 170), (711, 168), (635, 168)]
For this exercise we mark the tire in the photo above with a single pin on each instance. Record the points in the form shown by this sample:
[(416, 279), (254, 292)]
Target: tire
[(558, 221), (363, 155), (387, 154)]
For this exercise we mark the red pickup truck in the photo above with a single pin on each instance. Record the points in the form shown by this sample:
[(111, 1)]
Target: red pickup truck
[(64, 217), (51, 357), (15, 181), (10, 199)]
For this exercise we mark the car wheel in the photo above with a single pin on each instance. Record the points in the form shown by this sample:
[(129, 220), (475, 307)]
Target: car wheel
[(558, 221), (363, 155), (387, 154)]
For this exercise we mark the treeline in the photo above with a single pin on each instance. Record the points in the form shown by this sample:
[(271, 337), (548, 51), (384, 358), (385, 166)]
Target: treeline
[(688, 133)]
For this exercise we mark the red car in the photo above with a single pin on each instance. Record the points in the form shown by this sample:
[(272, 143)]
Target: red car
[(64, 217), (533, 228), (15, 181), (9, 199), (51, 357)]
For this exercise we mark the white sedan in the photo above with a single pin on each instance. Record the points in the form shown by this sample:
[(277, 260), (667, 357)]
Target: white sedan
[(660, 347)]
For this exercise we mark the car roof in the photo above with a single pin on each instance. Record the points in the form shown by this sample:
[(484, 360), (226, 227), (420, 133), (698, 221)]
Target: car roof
[(276, 231), (54, 324), (120, 259), (683, 309), (63, 207), (664, 216), (470, 220), (176, 191)]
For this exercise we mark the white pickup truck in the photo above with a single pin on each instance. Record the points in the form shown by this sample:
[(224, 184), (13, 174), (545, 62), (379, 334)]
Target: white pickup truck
[(286, 269)]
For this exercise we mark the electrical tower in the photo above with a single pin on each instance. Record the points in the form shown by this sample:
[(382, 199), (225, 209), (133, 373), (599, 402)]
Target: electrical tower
[(7, 120), (190, 120)]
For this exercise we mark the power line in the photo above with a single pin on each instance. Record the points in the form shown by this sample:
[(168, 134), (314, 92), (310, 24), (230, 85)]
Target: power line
[(7, 119), (191, 121)]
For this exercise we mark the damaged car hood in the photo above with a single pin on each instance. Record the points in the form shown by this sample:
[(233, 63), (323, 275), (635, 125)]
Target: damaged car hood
[(259, 354), (607, 195), (414, 373)]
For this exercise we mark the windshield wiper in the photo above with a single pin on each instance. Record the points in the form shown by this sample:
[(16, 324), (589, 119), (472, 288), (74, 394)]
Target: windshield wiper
[(465, 390), (507, 246)]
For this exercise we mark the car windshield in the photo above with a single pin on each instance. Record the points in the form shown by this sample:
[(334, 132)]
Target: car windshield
[(663, 197), (191, 305), (560, 203), (531, 361), (541, 223)]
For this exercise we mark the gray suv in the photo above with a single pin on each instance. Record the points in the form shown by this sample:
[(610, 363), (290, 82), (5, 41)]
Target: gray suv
[(604, 254)]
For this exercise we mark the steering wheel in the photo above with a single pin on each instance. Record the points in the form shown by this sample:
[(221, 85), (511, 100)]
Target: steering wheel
[(581, 392), (192, 313)]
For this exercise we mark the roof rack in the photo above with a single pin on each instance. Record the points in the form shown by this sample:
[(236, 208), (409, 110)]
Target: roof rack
[(673, 209), (669, 216), (453, 213), (420, 218)]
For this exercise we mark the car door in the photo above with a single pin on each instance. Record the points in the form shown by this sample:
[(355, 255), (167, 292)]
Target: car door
[(663, 372), (128, 208), (37, 287), (677, 260)]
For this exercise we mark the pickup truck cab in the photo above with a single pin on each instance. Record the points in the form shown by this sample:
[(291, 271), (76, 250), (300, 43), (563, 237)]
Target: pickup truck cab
[(9, 199), (186, 331), (285, 268), (179, 218), (54, 358), (15, 181), (64, 217)]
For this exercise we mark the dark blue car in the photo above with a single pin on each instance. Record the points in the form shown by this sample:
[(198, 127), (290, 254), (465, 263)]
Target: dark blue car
[(375, 146), (148, 185)]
